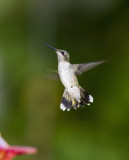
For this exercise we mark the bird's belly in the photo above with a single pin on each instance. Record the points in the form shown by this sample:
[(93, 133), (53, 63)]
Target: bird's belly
[(68, 79), (67, 75)]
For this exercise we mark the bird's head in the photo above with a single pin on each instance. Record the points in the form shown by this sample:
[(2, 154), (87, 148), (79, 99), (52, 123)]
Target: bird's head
[(61, 54)]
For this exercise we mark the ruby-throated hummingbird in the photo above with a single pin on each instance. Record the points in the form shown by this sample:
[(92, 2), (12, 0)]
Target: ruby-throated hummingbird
[(74, 95)]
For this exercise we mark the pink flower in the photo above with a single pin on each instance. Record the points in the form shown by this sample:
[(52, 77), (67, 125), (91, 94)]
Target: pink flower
[(8, 152)]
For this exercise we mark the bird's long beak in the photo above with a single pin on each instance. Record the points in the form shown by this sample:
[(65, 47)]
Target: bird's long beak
[(50, 47)]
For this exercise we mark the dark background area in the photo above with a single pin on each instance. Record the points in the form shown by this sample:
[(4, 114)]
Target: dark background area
[(29, 102)]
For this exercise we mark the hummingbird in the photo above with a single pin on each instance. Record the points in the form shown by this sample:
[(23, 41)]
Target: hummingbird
[(74, 95)]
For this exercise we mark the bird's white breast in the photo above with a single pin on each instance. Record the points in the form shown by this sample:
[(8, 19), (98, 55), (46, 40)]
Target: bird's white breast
[(67, 74)]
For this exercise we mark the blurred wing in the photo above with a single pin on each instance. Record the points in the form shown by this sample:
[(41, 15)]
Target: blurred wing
[(80, 68), (54, 75)]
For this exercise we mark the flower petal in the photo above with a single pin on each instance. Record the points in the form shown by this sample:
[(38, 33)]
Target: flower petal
[(8, 152)]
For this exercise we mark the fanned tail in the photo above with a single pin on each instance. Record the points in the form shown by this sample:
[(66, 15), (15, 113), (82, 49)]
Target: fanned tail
[(85, 96), (68, 102)]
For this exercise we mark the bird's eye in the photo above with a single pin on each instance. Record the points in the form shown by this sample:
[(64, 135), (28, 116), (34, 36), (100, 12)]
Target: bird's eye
[(63, 53)]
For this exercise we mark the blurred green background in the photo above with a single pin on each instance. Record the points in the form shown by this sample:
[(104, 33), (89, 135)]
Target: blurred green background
[(29, 102)]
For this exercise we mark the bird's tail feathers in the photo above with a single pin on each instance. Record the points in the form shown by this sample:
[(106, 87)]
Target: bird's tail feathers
[(85, 96), (68, 102)]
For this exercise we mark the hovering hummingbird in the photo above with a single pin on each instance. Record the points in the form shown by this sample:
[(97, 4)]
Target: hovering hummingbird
[(74, 95)]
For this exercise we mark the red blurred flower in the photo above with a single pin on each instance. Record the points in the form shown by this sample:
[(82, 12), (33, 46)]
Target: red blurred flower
[(8, 152)]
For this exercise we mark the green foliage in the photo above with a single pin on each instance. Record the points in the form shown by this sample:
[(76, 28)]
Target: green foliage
[(29, 103)]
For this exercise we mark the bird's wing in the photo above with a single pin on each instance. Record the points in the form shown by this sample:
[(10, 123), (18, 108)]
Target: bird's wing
[(80, 68), (54, 75)]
